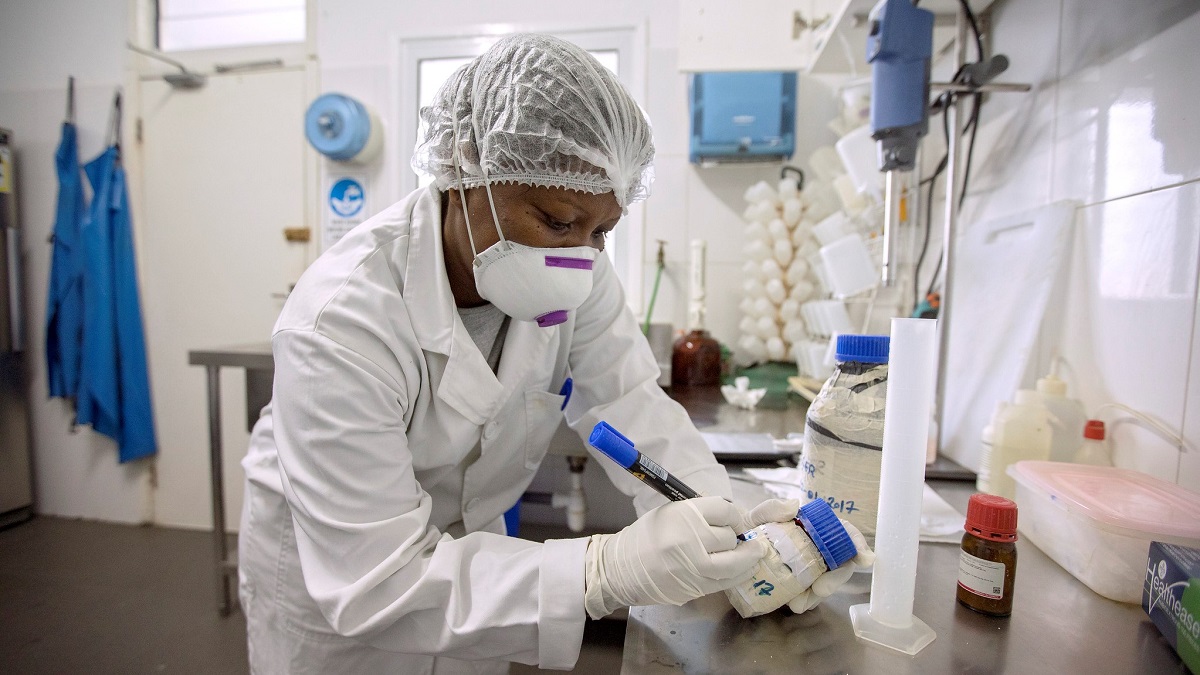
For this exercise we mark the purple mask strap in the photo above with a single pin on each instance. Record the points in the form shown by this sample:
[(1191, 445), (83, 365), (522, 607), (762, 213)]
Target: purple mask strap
[(571, 263)]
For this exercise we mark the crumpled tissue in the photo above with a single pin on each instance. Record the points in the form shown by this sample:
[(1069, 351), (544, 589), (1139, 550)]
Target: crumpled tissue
[(741, 395)]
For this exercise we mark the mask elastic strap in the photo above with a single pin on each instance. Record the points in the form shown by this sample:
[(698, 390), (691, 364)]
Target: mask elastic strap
[(487, 185), (462, 194)]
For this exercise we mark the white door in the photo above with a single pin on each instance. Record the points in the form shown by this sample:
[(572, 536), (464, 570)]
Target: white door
[(225, 170)]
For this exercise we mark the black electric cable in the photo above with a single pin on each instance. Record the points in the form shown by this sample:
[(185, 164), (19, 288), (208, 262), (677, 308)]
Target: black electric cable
[(932, 181), (972, 124)]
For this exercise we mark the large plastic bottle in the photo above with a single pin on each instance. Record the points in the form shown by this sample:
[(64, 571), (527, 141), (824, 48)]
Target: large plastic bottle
[(1067, 417), (1023, 433), (843, 433)]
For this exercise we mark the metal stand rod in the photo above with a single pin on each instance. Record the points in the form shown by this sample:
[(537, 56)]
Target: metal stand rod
[(218, 489), (979, 89), (890, 229), (913, 199), (949, 237)]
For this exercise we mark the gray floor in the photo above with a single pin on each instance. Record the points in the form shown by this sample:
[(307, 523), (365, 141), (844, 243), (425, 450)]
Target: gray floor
[(86, 597)]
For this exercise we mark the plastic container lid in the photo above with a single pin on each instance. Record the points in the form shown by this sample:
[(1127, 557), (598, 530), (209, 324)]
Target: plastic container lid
[(863, 348), (827, 532), (1120, 501), (1094, 429), (992, 517)]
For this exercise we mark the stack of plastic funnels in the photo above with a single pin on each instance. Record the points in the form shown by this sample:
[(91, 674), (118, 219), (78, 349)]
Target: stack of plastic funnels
[(776, 276)]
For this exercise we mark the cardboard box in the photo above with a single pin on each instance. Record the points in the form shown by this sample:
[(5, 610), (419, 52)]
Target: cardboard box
[(1171, 596)]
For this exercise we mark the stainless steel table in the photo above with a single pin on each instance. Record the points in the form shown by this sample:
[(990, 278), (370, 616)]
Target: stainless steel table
[(1058, 625), (260, 372)]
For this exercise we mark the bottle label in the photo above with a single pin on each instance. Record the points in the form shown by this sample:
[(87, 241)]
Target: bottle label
[(982, 577)]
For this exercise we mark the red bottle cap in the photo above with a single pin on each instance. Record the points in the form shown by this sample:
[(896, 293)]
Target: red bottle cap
[(992, 517), (1094, 429)]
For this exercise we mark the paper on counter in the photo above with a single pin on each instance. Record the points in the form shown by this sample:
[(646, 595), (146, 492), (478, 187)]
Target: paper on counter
[(939, 521)]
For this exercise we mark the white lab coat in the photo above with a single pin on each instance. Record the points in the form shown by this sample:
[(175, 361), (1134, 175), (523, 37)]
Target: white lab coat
[(372, 538)]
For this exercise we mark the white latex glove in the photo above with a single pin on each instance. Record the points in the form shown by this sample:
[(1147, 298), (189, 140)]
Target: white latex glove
[(825, 585), (769, 511), (675, 553)]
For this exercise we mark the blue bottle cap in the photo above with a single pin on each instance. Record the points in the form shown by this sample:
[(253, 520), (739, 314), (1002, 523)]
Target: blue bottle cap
[(612, 443), (827, 532), (863, 348)]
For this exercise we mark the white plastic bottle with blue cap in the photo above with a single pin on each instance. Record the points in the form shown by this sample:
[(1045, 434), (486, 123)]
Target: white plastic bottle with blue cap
[(843, 432), (799, 553)]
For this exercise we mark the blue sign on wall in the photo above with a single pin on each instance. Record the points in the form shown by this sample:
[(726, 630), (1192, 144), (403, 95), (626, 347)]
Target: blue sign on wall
[(346, 197)]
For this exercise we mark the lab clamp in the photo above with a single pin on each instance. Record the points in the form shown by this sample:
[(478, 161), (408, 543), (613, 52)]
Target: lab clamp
[(899, 49)]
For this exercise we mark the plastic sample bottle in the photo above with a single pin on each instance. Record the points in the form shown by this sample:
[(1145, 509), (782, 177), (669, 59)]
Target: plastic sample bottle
[(843, 432), (1094, 449), (987, 443), (1023, 432), (1066, 418), (987, 564), (800, 552)]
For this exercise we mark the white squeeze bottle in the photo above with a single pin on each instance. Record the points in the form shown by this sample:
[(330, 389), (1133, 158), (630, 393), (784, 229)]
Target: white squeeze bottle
[(1023, 433), (987, 444), (1067, 417)]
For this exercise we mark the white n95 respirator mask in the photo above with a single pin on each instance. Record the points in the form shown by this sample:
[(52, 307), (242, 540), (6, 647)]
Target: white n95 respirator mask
[(525, 282), (535, 284)]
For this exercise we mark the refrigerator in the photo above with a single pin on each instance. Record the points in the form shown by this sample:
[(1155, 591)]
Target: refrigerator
[(16, 484)]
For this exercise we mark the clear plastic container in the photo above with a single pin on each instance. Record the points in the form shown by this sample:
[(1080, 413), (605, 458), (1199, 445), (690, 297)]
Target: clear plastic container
[(1022, 432), (843, 433), (1067, 417), (1098, 521)]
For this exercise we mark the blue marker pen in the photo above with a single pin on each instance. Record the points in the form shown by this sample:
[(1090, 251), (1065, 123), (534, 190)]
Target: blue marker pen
[(620, 449), (816, 517)]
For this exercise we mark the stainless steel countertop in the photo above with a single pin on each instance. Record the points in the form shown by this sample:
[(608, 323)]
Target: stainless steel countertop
[(1058, 625)]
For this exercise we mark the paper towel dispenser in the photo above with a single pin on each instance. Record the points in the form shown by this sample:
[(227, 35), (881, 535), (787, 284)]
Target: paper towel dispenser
[(742, 117)]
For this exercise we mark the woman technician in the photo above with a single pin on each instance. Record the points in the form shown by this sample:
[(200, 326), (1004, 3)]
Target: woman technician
[(420, 366)]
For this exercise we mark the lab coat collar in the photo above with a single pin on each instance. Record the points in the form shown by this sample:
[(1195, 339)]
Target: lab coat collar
[(468, 384)]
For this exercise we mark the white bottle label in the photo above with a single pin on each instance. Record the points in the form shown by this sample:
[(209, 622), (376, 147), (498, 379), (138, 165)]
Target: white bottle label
[(982, 577)]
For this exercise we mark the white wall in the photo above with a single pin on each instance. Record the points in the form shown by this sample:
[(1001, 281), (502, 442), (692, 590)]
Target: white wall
[(1106, 125), (354, 43), (1111, 124), (41, 43)]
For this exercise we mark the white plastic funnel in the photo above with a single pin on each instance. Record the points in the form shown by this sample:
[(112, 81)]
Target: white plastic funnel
[(888, 619)]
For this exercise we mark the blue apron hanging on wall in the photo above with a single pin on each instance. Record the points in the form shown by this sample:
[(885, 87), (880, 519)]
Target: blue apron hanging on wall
[(114, 385), (64, 303)]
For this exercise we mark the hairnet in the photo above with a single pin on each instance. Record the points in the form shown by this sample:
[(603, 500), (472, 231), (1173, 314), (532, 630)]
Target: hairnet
[(538, 110)]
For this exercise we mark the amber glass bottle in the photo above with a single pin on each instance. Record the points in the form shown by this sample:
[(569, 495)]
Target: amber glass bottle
[(696, 360), (987, 565)]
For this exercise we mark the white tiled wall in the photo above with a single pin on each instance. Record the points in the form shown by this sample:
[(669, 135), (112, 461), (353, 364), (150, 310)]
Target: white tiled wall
[(1110, 124)]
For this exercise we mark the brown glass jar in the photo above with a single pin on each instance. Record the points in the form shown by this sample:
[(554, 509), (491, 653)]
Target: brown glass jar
[(987, 565), (696, 360)]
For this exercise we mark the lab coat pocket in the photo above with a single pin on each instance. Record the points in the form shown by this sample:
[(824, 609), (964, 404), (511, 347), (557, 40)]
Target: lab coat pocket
[(543, 414)]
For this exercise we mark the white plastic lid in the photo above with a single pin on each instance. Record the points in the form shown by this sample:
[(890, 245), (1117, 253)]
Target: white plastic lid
[(1120, 501), (1051, 385)]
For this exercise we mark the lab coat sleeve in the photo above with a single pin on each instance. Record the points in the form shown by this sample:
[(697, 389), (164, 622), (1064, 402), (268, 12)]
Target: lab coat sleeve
[(375, 567), (616, 380)]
